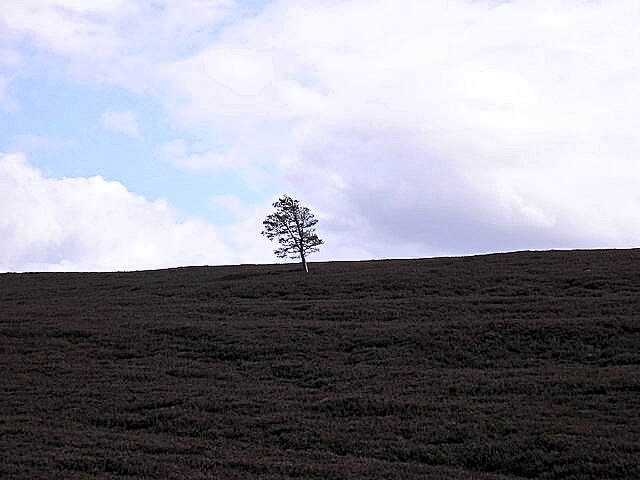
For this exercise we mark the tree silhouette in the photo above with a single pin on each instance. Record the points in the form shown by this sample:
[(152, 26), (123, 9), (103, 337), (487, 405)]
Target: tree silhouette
[(294, 227)]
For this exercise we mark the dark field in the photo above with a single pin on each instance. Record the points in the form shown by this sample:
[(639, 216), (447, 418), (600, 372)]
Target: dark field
[(508, 366)]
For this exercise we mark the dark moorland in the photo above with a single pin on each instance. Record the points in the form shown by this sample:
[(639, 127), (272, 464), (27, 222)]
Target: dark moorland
[(523, 365)]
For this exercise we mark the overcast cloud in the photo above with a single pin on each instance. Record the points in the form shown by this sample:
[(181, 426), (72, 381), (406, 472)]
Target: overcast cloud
[(411, 128)]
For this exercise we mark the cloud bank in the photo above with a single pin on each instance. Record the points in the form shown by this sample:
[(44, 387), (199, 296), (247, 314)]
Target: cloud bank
[(66, 224), (437, 127)]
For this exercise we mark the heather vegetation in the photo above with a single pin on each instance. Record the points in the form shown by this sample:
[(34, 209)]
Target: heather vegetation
[(509, 366)]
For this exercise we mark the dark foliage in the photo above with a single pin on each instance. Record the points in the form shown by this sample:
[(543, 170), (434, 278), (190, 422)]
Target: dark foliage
[(522, 365), (294, 227)]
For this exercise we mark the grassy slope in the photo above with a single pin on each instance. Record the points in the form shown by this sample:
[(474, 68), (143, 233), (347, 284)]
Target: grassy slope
[(523, 365)]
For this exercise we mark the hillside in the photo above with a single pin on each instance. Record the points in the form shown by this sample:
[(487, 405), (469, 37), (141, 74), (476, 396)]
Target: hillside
[(506, 366)]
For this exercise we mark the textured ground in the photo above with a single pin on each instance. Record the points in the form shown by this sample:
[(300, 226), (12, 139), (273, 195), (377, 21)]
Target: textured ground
[(508, 366)]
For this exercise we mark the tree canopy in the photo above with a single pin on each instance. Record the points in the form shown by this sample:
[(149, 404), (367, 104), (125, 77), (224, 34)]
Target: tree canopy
[(294, 227)]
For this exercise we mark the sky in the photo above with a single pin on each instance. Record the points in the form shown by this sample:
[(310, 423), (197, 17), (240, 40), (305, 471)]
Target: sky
[(151, 134)]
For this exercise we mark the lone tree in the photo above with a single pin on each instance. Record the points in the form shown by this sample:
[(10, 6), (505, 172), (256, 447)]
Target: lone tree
[(294, 226)]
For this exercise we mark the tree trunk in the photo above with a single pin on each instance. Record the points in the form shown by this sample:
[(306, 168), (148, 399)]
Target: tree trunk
[(301, 242)]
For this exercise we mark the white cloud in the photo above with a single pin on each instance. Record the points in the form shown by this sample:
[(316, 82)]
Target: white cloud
[(445, 125), (180, 154), (233, 206), (64, 26), (95, 224), (112, 41), (121, 121)]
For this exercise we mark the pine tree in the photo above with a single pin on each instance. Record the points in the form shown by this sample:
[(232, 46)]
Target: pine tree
[(294, 226)]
